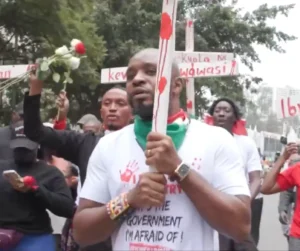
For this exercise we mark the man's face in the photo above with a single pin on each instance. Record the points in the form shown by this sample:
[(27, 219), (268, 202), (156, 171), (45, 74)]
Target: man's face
[(115, 110), (223, 115), (91, 128), (141, 79), (65, 168)]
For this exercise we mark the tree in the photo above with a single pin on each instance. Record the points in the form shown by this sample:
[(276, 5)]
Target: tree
[(127, 26), (31, 29), (218, 27), (259, 111)]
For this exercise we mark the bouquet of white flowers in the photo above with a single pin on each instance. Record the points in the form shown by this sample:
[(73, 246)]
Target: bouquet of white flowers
[(66, 59)]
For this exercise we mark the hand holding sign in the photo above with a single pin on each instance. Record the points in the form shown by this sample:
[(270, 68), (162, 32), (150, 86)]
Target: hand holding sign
[(149, 192), (161, 153)]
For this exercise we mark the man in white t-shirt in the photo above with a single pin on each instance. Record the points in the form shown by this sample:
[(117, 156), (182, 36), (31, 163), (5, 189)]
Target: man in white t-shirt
[(226, 114), (200, 184)]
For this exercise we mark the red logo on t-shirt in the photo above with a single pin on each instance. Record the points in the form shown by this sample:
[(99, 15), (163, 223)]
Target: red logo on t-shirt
[(128, 175), (196, 163)]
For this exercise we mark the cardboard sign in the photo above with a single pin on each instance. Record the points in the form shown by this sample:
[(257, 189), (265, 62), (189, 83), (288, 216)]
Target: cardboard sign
[(13, 71), (287, 102), (188, 70)]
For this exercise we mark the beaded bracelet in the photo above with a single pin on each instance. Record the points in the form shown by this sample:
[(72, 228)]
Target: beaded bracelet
[(118, 208)]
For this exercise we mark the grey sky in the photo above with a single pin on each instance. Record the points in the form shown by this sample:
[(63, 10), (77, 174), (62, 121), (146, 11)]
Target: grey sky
[(278, 69)]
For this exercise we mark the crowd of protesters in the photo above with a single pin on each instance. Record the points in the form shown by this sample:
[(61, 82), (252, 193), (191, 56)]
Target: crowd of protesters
[(92, 190)]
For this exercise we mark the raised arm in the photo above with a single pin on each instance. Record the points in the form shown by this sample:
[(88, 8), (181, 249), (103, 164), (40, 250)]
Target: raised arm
[(274, 181), (65, 143)]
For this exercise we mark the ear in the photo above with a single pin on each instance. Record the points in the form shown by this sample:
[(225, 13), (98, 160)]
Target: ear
[(101, 113), (177, 86), (74, 180)]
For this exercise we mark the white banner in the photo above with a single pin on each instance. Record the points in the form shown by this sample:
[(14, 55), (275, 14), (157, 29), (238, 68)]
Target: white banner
[(188, 70), (287, 102), (12, 71)]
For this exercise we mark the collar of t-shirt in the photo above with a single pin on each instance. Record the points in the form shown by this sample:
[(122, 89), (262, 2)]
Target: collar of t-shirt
[(107, 132)]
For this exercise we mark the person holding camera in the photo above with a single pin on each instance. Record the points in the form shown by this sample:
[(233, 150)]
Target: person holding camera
[(287, 199), (278, 181), (28, 188)]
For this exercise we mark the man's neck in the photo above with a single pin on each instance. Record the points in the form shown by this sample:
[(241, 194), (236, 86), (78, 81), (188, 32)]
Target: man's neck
[(107, 132), (173, 112), (227, 129), (174, 108)]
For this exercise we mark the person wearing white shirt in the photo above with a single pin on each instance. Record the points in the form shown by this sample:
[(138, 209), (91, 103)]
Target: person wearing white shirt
[(224, 113), (200, 184)]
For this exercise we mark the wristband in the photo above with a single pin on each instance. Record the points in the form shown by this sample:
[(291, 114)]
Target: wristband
[(118, 209), (60, 124)]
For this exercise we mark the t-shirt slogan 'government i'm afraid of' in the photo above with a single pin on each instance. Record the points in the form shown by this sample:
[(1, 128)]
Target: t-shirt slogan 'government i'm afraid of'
[(116, 164)]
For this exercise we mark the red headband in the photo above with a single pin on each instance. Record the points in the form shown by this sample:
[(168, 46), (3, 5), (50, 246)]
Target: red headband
[(239, 127)]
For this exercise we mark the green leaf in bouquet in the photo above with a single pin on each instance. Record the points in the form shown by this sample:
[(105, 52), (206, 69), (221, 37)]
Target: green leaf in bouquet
[(41, 75), (59, 66), (67, 74), (69, 80), (55, 77)]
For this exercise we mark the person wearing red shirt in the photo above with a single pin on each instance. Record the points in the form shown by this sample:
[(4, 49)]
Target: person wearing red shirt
[(60, 121), (276, 181)]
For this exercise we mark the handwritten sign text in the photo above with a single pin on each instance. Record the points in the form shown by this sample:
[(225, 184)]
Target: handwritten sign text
[(187, 70), (13, 71)]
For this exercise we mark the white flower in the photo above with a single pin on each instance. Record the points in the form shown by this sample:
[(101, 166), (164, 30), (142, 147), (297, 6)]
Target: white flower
[(56, 77), (67, 56), (74, 63), (68, 79), (74, 42), (44, 65), (61, 51)]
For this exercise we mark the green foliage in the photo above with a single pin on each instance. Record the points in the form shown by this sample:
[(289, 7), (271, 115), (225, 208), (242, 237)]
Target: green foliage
[(260, 113), (218, 27), (30, 29), (114, 30)]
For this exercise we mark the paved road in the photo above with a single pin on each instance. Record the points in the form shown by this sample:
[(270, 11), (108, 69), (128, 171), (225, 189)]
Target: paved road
[(271, 237)]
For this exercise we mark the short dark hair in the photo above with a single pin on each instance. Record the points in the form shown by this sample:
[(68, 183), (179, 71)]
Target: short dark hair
[(118, 87), (236, 110)]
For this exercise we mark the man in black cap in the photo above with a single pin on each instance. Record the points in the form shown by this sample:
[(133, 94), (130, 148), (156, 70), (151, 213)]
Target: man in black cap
[(28, 188), (24, 149), (6, 133)]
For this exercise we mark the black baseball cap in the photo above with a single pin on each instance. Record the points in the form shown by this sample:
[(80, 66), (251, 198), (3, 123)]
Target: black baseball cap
[(19, 139)]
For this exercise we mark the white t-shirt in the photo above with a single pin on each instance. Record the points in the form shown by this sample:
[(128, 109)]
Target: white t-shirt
[(117, 162), (250, 155), (57, 222)]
